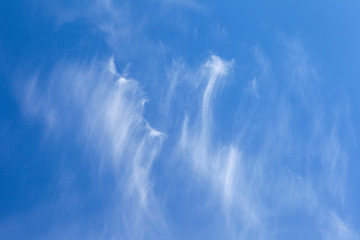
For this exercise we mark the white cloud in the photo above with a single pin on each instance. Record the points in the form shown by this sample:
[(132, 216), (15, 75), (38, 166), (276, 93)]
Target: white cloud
[(103, 110), (292, 167), (253, 183), (333, 227), (310, 148), (220, 165)]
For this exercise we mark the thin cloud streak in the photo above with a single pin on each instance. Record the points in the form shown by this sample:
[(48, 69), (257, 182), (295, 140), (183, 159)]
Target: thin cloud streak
[(105, 112), (232, 173), (220, 165), (273, 168)]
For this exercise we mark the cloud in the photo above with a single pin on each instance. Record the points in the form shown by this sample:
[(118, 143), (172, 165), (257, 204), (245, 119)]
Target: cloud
[(314, 156), (220, 165), (211, 163), (274, 168), (103, 111), (283, 158)]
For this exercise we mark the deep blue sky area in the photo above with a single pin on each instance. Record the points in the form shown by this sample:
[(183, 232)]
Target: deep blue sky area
[(179, 119)]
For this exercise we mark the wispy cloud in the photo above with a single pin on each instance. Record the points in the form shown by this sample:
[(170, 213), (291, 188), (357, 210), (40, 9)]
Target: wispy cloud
[(263, 175), (311, 155), (209, 161), (284, 157), (103, 111), (220, 165), (271, 170)]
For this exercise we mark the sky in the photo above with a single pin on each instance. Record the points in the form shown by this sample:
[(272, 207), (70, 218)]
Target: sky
[(179, 119)]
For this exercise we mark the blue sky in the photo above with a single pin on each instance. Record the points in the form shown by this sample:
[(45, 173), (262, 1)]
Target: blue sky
[(170, 119)]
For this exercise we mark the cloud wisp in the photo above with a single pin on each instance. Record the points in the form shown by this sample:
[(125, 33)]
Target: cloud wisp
[(103, 111), (196, 143), (219, 165), (280, 171), (273, 169)]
